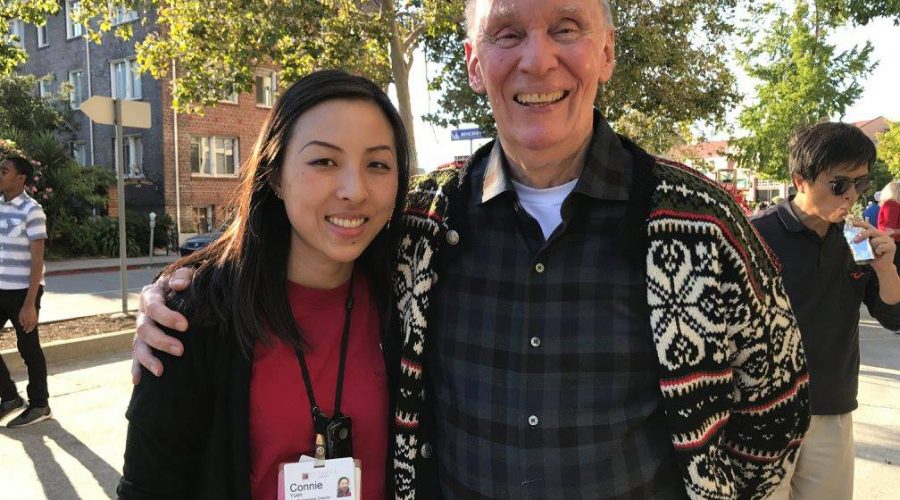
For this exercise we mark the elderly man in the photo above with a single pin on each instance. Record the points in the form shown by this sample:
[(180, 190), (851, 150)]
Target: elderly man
[(575, 318)]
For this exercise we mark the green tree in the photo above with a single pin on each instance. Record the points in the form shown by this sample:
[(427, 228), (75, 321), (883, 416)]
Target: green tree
[(802, 81), (671, 71), (216, 45), (39, 129), (22, 110), (861, 11), (889, 148), (28, 11)]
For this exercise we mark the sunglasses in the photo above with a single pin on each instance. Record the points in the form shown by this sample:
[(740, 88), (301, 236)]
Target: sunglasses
[(840, 186)]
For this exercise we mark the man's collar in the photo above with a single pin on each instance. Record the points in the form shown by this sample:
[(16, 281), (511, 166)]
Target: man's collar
[(607, 173), (790, 220), (17, 201), (496, 177)]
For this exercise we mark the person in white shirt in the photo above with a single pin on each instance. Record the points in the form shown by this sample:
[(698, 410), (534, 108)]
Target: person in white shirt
[(23, 230)]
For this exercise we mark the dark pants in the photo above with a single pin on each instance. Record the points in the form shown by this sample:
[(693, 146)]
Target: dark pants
[(29, 346)]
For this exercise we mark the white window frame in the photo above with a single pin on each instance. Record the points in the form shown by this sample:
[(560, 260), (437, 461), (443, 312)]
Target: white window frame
[(268, 96), (73, 29), (45, 87), (76, 79), (208, 151), (79, 153), (17, 28), (133, 91), (208, 213), (121, 15), (230, 98), (134, 169), (42, 40)]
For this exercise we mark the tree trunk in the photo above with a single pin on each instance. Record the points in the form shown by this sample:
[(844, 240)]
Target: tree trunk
[(400, 72)]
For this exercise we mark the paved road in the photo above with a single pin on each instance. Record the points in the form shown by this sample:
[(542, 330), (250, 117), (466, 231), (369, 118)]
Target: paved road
[(78, 455), (86, 294)]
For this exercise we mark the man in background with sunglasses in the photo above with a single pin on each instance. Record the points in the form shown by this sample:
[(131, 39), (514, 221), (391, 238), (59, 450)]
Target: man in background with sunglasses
[(829, 165)]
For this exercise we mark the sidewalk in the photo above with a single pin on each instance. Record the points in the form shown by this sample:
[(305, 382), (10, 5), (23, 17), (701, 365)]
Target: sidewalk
[(79, 453), (75, 266)]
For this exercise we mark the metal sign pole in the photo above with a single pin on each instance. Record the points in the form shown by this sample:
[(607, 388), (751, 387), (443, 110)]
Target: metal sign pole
[(120, 191)]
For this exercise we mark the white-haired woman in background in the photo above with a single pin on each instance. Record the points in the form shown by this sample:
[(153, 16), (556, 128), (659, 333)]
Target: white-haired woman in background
[(889, 213)]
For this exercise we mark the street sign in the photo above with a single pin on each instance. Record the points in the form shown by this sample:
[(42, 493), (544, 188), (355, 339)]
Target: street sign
[(466, 134), (101, 109), (120, 113)]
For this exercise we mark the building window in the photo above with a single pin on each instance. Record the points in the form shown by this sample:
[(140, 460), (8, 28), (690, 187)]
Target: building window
[(265, 89), (76, 79), (79, 153), (42, 40), (126, 79), (230, 96), (45, 86), (17, 33), (215, 156), (121, 15), (134, 155), (204, 218), (73, 29)]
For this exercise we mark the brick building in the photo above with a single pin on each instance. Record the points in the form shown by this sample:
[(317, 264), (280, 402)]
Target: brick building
[(208, 150)]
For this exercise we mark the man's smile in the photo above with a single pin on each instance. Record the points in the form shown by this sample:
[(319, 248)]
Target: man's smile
[(542, 99)]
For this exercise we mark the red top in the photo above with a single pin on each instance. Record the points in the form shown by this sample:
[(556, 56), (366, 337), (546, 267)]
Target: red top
[(889, 217), (280, 423)]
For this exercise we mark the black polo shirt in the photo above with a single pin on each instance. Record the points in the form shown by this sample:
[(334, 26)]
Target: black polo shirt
[(826, 288)]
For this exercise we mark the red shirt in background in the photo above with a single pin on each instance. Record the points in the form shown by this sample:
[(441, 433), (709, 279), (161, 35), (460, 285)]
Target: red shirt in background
[(889, 217), (280, 423)]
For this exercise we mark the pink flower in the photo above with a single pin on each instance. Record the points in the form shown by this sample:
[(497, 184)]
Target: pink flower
[(45, 196), (49, 190)]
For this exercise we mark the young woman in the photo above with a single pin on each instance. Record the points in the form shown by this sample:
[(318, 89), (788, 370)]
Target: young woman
[(287, 309)]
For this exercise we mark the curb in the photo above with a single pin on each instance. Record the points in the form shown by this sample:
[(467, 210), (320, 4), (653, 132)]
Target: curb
[(82, 348), (103, 269)]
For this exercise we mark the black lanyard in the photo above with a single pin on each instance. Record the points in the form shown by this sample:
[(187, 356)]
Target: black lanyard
[(320, 421)]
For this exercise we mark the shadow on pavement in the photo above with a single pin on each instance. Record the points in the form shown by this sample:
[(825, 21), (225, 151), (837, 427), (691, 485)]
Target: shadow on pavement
[(875, 376), (50, 474), (878, 348), (881, 444)]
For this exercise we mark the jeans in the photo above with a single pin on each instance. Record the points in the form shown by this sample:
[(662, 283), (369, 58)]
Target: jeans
[(29, 346)]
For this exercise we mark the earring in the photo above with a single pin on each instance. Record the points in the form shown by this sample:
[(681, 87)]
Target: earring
[(278, 195)]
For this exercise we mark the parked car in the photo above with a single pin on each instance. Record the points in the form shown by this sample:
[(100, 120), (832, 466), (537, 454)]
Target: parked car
[(195, 243)]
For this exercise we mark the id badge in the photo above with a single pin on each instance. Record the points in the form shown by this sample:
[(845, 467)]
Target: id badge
[(310, 479)]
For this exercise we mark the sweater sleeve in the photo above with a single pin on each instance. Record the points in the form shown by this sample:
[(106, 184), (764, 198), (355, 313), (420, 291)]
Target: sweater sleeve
[(733, 373), (168, 425), (770, 407)]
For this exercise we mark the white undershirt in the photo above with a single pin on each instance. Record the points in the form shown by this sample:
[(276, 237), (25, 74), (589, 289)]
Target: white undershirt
[(544, 204)]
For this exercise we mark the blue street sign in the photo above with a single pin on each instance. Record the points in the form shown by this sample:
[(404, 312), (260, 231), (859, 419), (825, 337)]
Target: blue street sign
[(466, 134)]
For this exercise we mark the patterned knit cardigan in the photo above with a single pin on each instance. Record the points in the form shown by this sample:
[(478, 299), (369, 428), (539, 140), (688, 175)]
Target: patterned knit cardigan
[(733, 373)]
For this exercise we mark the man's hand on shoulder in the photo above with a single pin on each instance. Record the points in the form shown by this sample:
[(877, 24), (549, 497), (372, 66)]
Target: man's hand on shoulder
[(152, 316)]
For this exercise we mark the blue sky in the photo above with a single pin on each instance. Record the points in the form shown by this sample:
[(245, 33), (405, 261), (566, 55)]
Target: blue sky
[(881, 96)]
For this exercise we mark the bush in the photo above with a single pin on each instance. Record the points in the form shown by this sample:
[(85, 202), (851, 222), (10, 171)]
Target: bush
[(137, 225), (90, 237)]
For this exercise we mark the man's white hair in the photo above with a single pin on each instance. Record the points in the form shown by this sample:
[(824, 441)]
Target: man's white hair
[(470, 16)]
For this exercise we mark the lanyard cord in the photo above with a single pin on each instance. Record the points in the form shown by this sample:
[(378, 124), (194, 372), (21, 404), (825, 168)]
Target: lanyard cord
[(319, 418)]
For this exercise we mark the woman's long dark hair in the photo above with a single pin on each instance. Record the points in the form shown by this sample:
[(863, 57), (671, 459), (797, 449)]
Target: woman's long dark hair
[(242, 278)]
